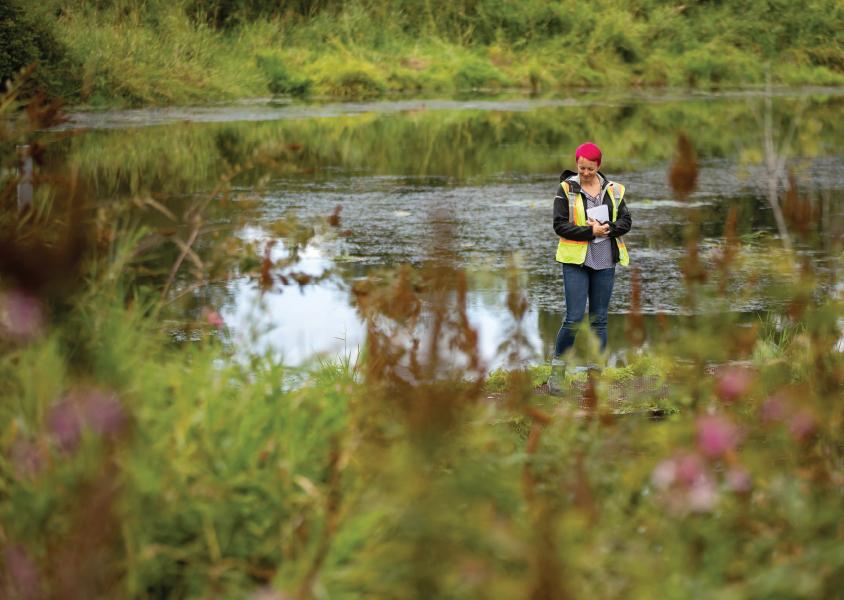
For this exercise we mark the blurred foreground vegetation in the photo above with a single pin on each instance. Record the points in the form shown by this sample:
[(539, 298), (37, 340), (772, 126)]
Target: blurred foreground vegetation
[(139, 465), (141, 52)]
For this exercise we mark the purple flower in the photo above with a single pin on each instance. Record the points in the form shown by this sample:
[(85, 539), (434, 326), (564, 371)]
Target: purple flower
[(90, 408), (21, 315), (102, 412), (716, 436), (64, 424), (21, 573)]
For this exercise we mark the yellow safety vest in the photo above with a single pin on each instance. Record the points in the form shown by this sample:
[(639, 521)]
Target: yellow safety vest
[(574, 251)]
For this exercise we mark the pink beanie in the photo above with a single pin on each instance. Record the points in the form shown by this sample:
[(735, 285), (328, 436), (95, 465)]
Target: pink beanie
[(589, 151)]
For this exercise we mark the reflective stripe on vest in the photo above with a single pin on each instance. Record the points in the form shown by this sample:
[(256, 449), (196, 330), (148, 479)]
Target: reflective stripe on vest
[(574, 251)]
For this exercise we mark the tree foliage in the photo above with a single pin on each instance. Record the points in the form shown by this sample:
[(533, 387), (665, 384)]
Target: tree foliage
[(25, 40)]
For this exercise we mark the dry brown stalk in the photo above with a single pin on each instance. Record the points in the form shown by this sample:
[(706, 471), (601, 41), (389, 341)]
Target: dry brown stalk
[(186, 248), (635, 327), (684, 172), (731, 248), (799, 211)]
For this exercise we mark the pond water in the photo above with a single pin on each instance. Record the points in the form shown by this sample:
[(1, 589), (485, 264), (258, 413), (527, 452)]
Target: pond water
[(487, 168)]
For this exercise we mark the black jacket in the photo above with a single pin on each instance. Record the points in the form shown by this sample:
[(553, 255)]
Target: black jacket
[(565, 229)]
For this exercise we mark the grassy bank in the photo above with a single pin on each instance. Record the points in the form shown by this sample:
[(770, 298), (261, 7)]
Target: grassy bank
[(130, 52)]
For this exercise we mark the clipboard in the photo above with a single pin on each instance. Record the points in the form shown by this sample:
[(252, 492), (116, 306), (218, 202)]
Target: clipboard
[(601, 214)]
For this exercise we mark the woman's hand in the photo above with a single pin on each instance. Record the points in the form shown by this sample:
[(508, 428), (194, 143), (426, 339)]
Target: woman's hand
[(597, 228)]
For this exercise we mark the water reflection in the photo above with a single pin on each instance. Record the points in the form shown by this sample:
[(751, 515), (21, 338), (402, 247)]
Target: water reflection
[(298, 326), (493, 165)]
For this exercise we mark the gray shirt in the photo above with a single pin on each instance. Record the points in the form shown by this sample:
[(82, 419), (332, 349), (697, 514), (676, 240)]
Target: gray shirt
[(598, 253)]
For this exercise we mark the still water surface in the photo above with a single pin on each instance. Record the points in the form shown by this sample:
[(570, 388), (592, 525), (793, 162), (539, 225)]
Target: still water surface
[(489, 169)]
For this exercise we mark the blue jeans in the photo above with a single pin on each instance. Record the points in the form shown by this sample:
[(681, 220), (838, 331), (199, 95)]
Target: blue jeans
[(582, 283)]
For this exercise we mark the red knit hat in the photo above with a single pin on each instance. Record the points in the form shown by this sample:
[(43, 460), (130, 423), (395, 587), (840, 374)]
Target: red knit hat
[(589, 151)]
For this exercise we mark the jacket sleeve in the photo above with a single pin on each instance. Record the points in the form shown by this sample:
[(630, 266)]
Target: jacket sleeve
[(622, 223), (562, 227)]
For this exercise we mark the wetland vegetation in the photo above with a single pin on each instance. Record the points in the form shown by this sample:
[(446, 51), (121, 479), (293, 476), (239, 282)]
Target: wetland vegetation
[(273, 349)]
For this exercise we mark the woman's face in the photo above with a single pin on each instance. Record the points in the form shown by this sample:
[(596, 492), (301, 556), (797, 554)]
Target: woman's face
[(587, 169)]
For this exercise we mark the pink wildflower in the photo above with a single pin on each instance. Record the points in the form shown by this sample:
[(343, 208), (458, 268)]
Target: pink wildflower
[(702, 496), (774, 408), (22, 574), (801, 424), (738, 480), (689, 468), (91, 408), (65, 425), (686, 484), (732, 384), (716, 436), (21, 315), (213, 318), (102, 412)]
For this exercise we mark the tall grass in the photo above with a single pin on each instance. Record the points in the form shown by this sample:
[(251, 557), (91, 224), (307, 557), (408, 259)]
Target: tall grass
[(128, 60), (188, 51)]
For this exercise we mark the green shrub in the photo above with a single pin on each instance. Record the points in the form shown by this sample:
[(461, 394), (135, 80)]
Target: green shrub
[(358, 84), (404, 80), (476, 73), (831, 57), (716, 64), (280, 80), (655, 70), (347, 77)]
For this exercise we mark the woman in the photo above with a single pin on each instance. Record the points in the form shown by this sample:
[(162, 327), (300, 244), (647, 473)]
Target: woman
[(589, 248)]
